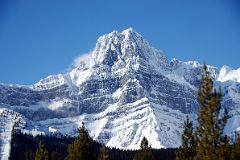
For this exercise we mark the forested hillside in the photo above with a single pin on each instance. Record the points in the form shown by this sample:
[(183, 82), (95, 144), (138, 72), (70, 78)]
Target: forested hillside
[(24, 147)]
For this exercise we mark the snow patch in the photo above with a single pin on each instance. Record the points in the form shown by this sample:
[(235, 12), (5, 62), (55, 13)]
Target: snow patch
[(228, 74)]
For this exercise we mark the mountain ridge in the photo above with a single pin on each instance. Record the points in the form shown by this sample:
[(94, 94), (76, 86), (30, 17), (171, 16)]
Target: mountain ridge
[(123, 90)]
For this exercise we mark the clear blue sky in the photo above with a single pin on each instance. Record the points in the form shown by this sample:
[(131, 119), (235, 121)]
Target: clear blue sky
[(42, 37)]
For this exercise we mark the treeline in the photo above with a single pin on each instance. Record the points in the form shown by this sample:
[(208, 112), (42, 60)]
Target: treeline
[(57, 147), (207, 141)]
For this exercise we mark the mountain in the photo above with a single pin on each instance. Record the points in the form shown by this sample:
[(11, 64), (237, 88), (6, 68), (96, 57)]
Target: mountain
[(123, 90)]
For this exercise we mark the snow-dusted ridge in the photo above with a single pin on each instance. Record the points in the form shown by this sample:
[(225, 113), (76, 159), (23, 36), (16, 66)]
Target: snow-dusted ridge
[(228, 74), (123, 89)]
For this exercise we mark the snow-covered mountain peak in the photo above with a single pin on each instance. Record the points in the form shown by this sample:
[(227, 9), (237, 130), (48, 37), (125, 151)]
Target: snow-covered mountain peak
[(226, 73), (174, 60), (194, 64), (128, 30), (130, 33), (224, 70), (115, 53), (123, 89), (127, 49)]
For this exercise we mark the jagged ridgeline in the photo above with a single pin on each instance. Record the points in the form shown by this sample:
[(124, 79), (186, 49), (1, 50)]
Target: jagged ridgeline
[(123, 90)]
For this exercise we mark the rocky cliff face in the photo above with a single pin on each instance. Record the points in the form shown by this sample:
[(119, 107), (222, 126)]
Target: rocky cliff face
[(123, 90)]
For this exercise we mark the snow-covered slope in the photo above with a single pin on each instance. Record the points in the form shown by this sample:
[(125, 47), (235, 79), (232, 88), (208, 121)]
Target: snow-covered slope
[(123, 90), (8, 119), (191, 71), (228, 74)]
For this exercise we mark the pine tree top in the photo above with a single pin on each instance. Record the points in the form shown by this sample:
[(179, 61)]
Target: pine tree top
[(144, 143)]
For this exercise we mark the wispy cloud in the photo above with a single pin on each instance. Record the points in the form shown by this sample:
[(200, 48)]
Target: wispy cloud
[(83, 57), (78, 61)]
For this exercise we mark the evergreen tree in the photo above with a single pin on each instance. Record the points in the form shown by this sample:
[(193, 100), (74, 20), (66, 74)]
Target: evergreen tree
[(103, 153), (81, 148), (145, 153), (55, 155), (210, 126), (235, 154), (41, 153), (29, 155), (224, 150), (144, 143), (188, 149)]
